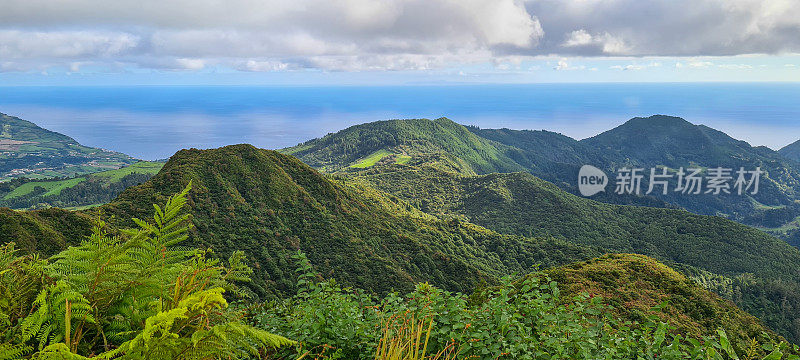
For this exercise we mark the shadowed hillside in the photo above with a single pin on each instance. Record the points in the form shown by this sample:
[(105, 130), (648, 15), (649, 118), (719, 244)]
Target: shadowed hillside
[(269, 205)]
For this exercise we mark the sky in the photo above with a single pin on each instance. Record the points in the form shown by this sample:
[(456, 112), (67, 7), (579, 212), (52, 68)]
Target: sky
[(389, 42)]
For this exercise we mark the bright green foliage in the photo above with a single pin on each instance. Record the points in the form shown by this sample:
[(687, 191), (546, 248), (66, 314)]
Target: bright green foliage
[(446, 140), (269, 205), (522, 318), (522, 204), (131, 296), (371, 159), (93, 189), (641, 142)]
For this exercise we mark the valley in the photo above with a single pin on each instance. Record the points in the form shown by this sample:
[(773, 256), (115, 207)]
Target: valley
[(380, 208)]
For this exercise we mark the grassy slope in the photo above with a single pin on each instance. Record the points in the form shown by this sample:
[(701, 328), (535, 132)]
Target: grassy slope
[(371, 159), (49, 153), (52, 187), (634, 284), (414, 138), (55, 187), (269, 205), (141, 167)]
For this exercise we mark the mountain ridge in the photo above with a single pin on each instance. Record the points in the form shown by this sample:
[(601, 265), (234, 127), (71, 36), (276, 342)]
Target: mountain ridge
[(640, 142)]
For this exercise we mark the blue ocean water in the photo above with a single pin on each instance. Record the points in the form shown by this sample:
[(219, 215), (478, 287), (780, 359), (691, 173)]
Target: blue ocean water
[(154, 122)]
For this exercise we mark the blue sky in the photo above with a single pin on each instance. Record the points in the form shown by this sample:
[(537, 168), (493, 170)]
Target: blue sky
[(390, 42)]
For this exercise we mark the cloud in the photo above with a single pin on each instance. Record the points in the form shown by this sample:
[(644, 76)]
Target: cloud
[(653, 64), (564, 65), (332, 35), (735, 66), (700, 64), (667, 27), (605, 43), (16, 44), (363, 35)]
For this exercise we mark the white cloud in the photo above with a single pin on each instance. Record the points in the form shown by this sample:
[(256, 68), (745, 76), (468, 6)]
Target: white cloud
[(652, 64), (735, 66), (668, 27), (191, 64), (564, 65), (578, 38), (262, 66), (700, 64), (16, 44), (606, 43), (346, 34), (357, 35)]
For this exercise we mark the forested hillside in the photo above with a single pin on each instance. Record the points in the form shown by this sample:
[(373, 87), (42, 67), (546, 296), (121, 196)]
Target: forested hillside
[(27, 150), (656, 141), (366, 144), (791, 151), (519, 203), (269, 205)]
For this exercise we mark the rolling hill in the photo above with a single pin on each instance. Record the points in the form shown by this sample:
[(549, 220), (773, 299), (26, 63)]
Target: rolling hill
[(636, 287), (27, 150), (361, 146), (791, 151), (740, 262), (656, 141), (269, 205)]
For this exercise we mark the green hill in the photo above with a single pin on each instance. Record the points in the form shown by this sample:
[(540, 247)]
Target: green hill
[(27, 150), (521, 204), (45, 232), (656, 141), (791, 151), (363, 145), (636, 285), (269, 205)]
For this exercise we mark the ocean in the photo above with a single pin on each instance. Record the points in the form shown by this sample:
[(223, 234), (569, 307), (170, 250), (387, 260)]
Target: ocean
[(153, 122)]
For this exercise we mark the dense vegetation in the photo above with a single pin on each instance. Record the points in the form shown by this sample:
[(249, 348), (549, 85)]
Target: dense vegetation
[(415, 137), (525, 317), (44, 232), (138, 296), (85, 191), (522, 204), (27, 150), (421, 201), (640, 142), (269, 205), (791, 151), (142, 296)]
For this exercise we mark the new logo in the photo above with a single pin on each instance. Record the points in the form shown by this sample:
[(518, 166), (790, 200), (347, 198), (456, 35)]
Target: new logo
[(591, 180)]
